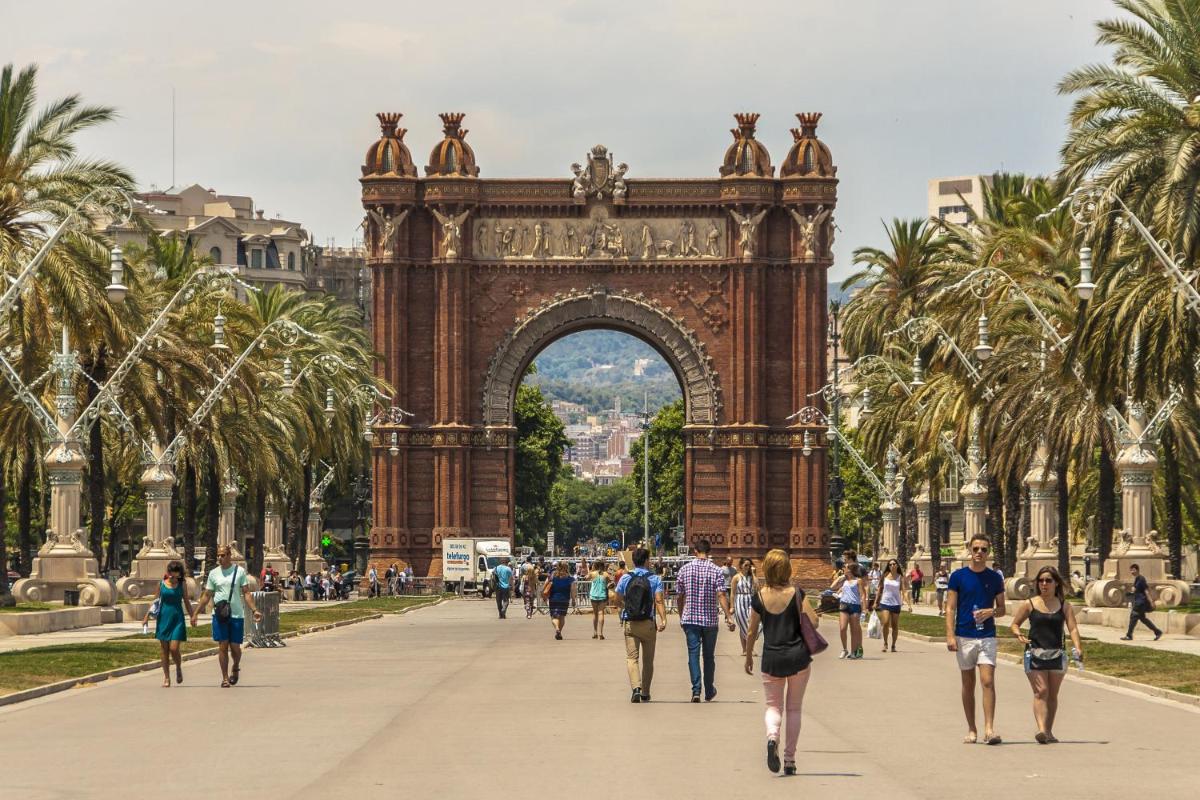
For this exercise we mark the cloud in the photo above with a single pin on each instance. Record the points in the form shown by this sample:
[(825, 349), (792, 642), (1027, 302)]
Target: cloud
[(368, 38), (275, 48)]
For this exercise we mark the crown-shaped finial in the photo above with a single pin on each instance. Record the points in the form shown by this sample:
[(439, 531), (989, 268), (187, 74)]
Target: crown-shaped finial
[(808, 123), (746, 122), (388, 121), (451, 121)]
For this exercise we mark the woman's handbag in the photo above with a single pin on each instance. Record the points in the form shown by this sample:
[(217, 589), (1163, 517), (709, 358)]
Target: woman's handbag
[(223, 610), (813, 639)]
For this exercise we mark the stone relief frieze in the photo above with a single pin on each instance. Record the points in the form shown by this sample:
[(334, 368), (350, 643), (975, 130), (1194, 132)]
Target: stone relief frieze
[(599, 237)]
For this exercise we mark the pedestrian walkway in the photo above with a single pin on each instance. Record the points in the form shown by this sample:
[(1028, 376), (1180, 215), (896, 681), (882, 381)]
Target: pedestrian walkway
[(451, 702), (118, 630), (1103, 633)]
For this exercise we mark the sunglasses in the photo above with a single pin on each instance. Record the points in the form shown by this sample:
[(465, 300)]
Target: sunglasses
[(1045, 580), (979, 549)]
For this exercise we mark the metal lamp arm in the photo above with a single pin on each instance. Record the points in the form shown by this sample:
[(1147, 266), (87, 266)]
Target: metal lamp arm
[(1169, 265), (186, 292), (9, 299), (320, 360), (44, 418), (202, 411), (318, 491), (810, 414)]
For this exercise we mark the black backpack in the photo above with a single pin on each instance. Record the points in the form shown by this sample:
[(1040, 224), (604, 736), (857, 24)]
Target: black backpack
[(639, 598)]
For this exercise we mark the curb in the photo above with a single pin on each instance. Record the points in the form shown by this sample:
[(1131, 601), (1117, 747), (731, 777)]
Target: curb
[(1094, 677), (146, 666)]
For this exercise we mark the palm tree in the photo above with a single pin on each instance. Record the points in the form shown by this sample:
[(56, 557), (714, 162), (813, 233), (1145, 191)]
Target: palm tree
[(893, 286), (41, 180)]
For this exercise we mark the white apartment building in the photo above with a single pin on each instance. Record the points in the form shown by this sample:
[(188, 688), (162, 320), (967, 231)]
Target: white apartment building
[(228, 229), (954, 199)]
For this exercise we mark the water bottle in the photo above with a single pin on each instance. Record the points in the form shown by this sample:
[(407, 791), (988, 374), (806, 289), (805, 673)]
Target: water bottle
[(145, 628), (978, 622), (1077, 659)]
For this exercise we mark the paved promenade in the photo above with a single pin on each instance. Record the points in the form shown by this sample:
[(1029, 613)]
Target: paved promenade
[(451, 702)]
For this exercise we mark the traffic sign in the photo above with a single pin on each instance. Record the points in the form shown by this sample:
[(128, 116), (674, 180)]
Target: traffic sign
[(614, 545)]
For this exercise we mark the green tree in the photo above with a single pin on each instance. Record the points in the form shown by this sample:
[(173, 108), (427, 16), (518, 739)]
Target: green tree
[(666, 469), (541, 438)]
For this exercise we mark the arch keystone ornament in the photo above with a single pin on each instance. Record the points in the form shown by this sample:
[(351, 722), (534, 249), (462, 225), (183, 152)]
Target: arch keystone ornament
[(725, 276)]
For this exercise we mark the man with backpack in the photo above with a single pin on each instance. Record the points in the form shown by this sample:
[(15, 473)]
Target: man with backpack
[(643, 617)]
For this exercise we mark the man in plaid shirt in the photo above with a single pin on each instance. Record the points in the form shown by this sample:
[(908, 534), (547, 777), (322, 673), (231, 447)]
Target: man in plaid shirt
[(700, 586)]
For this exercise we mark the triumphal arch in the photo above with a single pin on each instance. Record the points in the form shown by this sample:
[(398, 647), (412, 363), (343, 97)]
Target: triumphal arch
[(724, 275)]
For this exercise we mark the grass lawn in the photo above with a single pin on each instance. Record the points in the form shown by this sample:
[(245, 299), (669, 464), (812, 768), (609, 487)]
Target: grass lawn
[(24, 669), (1165, 669)]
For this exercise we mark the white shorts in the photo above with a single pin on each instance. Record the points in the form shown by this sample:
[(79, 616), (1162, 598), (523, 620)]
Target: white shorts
[(974, 652)]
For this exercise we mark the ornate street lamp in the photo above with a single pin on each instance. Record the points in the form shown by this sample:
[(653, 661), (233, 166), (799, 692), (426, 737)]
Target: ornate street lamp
[(116, 289)]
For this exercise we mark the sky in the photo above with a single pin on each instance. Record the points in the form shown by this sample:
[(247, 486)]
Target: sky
[(277, 100)]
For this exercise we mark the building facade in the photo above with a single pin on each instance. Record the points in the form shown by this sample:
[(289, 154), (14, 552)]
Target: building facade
[(724, 275), (957, 199)]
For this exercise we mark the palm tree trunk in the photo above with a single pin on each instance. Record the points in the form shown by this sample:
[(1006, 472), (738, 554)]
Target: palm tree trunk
[(260, 519), (1026, 520), (1174, 503), (1064, 521), (212, 515), (25, 514), (6, 598), (1106, 500), (95, 472), (907, 516), (190, 501), (935, 529), (308, 474), (1012, 522), (995, 501), (119, 496)]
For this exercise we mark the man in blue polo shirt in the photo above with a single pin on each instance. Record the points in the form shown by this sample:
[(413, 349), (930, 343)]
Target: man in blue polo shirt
[(503, 575), (643, 617), (974, 599)]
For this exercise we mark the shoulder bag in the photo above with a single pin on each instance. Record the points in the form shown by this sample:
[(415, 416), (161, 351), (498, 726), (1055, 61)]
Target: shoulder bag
[(813, 639), (223, 610)]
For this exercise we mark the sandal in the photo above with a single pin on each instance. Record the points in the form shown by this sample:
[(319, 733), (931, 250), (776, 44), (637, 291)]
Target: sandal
[(993, 738), (1041, 738), (970, 738), (166, 683), (225, 684), (233, 678), (602, 637), (179, 676)]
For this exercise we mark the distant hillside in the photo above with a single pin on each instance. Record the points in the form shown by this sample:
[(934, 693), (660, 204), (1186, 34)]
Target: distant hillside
[(593, 368), (834, 292)]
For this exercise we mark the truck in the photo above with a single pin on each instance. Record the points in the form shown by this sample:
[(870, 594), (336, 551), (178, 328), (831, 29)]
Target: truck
[(472, 560)]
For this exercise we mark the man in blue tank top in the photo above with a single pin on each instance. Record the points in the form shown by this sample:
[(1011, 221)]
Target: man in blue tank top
[(974, 599)]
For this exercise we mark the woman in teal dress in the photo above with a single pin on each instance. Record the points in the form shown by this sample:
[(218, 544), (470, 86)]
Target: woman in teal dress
[(171, 626)]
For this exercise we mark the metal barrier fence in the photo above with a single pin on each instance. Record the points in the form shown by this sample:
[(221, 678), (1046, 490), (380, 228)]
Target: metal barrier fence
[(415, 587), (264, 632)]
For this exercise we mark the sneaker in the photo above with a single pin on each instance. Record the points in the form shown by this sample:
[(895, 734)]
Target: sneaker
[(711, 697), (772, 755), (858, 653), (1157, 636), (645, 697), (845, 654), (695, 697), (636, 697)]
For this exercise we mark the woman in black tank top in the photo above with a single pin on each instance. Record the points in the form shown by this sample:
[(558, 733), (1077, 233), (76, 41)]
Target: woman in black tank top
[(1048, 613)]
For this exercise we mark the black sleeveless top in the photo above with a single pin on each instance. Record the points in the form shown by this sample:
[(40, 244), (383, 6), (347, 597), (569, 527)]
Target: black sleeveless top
[(784, 652), (1046, 630)]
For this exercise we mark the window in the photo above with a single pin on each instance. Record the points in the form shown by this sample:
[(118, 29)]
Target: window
[(215, 254), (955, 187), (256, 260), (944, 211), (291, 260)]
